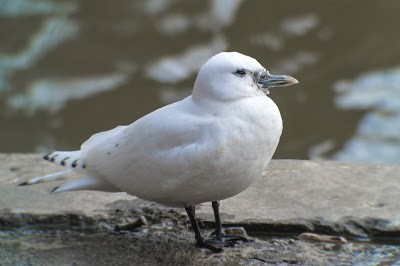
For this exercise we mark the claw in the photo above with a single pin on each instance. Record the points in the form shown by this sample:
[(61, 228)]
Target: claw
[(204, 244), (231, 240), (214, 233)]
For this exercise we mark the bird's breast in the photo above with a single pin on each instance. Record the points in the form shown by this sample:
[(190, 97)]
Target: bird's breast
[(244, 143)]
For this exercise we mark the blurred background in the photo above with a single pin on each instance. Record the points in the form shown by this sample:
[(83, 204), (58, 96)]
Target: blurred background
[(69, 69)]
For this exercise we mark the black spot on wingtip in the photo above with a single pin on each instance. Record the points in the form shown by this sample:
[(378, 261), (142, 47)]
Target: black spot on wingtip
[(53, 158), (54, 189), (23, 183), (63, 161), (75, 163), (47, 156)]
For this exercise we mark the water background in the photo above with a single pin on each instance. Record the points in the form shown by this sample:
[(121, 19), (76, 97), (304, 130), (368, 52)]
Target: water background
[(69, 69)]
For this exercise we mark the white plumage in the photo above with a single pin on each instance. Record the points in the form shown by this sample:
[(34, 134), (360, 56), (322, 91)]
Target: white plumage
[(207, 147)]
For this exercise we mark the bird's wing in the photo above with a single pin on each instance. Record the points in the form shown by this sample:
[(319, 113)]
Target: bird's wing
[(168, 141)]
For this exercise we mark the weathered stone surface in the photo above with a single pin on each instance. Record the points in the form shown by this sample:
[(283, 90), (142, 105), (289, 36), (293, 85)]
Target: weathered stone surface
[(292, 197), (349, 198), (158, 248), (32, 205)]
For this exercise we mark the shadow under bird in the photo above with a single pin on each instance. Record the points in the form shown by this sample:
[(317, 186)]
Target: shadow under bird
[(207, 147)]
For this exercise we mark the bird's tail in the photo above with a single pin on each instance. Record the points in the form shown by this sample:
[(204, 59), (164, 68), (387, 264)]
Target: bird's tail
[(46, 178), (66, 158), (71, 159)]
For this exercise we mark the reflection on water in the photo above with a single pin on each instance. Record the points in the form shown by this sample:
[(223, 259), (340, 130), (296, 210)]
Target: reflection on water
[(42, 95), (110, 62), (219, 14), (53, 32), (11, 8), (177, 68), (377, 138), (296, 62), (298, 26)]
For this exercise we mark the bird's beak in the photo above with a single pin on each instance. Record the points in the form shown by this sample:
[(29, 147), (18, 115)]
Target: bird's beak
[(269, 81)]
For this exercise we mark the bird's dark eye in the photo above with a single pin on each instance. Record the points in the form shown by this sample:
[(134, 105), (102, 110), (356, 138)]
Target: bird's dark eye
[(240, 72)]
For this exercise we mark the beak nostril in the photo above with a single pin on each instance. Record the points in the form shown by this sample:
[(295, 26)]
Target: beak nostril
[(262, 75)]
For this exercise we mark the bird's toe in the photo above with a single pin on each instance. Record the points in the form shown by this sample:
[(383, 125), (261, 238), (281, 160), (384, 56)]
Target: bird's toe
[(205, 244)]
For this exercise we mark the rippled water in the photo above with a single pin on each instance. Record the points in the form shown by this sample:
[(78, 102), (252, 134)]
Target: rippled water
[(71, 68)]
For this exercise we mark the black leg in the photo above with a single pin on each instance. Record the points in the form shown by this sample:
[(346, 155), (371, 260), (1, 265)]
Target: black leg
[(218, 225), (229, 240), (200, 240)]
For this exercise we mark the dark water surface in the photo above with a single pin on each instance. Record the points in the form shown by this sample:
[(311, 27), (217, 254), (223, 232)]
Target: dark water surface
[(69, 69)]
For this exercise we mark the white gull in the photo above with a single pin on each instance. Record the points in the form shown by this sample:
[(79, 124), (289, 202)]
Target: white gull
[(207, 147)]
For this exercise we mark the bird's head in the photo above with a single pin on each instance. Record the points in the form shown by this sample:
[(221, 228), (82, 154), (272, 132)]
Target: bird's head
[(231, 76)]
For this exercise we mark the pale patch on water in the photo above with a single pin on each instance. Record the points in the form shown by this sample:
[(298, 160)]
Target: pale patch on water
[(295, 26), (225, 10), (319, 152), (297, 62), (377, 138), (53, 32), (300, 25), (174, 24), (53, 94), (11, 8), (377, 90), (173, 69), (270, 40), (155, 7), (219, 14), (222, 13)]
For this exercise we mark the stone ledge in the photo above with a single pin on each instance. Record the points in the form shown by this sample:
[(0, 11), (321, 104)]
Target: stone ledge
[(291, 197)]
